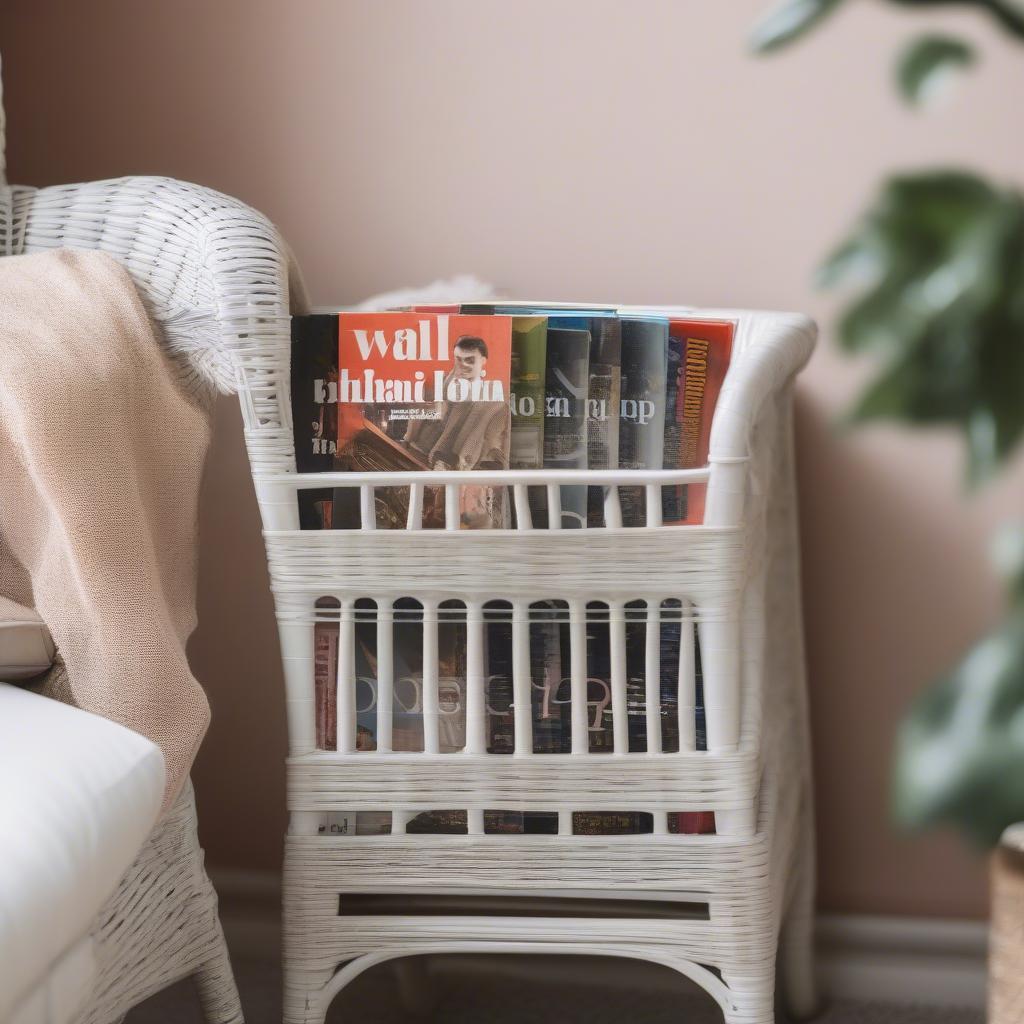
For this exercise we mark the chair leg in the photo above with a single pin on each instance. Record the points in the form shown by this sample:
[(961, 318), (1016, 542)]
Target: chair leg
[(303, 995), (753, 997), (796, 939), (218, 993)]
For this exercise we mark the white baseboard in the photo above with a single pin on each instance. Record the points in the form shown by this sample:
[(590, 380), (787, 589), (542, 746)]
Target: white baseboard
[(931, 962)]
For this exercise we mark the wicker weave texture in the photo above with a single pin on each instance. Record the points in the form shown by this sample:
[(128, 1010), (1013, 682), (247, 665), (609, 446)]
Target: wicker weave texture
[(736, 578), (161, 926)]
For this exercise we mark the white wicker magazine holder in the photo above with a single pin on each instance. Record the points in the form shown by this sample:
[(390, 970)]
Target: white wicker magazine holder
[(737, 578)]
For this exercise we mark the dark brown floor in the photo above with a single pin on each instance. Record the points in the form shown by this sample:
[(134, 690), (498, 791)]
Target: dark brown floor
[(475, 997)]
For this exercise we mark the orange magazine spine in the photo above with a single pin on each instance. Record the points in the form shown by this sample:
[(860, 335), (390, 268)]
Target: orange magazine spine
[(706, 350)]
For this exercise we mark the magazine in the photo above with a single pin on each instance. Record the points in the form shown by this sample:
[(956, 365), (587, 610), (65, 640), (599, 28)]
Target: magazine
[(698, 357), (565, 421), (498, 684), (549, 677), (355, 823), (529, 356), (642, 421), (325, 678), (391, 391), (314, 362), (600, 734), (411, 391), (603, 406)]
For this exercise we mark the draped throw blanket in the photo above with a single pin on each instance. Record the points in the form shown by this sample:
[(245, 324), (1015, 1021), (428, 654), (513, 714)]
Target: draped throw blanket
[(101, 451)]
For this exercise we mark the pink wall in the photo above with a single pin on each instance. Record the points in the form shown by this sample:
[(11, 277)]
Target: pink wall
[(561, 149)]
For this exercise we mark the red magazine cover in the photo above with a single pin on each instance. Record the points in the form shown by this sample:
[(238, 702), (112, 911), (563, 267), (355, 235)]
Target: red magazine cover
[(425, 391), (699, 353)]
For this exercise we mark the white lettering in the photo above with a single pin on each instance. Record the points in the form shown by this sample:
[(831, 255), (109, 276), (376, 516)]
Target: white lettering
[(365, 344)]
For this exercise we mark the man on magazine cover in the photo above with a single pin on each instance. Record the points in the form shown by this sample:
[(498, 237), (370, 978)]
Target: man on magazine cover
[(467, 434)]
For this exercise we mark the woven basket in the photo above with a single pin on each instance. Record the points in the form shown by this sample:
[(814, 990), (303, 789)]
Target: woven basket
[(736, 579)]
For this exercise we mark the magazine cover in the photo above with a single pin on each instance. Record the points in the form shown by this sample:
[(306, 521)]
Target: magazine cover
[(355, 823), (612, 823), (549, 677), (521, 822), (498, 686), (407, 654), (529, 347), (642, 422), (636, 675), (424, 391), (365, 636), (603, 406), (565, 422), (451, 678), (314, 364), (600, 723), (698, 357), (691, 823), (446, 822), (325, 680)]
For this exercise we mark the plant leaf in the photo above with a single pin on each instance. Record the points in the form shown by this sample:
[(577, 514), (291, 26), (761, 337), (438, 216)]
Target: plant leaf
[(1008, 558), (960, 751), (1008, 13), (937, 268), (787, 22), (927, 63)]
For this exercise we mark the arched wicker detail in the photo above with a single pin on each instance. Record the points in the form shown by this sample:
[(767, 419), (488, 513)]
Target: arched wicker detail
[(695, 972)]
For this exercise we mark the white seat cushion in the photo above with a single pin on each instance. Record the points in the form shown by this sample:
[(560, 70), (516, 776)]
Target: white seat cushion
[(26, 647), (78, 797)]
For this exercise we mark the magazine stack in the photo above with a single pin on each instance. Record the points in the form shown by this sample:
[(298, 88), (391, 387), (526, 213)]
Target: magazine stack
[(486, 389)]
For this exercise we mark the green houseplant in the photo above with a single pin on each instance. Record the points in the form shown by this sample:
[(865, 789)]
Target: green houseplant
[(936, 271)]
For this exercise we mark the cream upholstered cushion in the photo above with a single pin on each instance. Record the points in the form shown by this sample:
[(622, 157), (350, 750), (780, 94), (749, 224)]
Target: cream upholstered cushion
[(78, 797), (26, 648)]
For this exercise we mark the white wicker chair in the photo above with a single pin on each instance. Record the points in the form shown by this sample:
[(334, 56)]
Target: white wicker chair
[(178, 243)]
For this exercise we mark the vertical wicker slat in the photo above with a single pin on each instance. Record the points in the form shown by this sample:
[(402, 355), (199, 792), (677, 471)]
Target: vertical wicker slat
[(385, 675), (578, 677), (686, 701), (431, 713), (617, 643)]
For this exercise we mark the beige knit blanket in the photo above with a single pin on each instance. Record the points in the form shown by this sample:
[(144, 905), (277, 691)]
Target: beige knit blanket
[(101, 452)]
